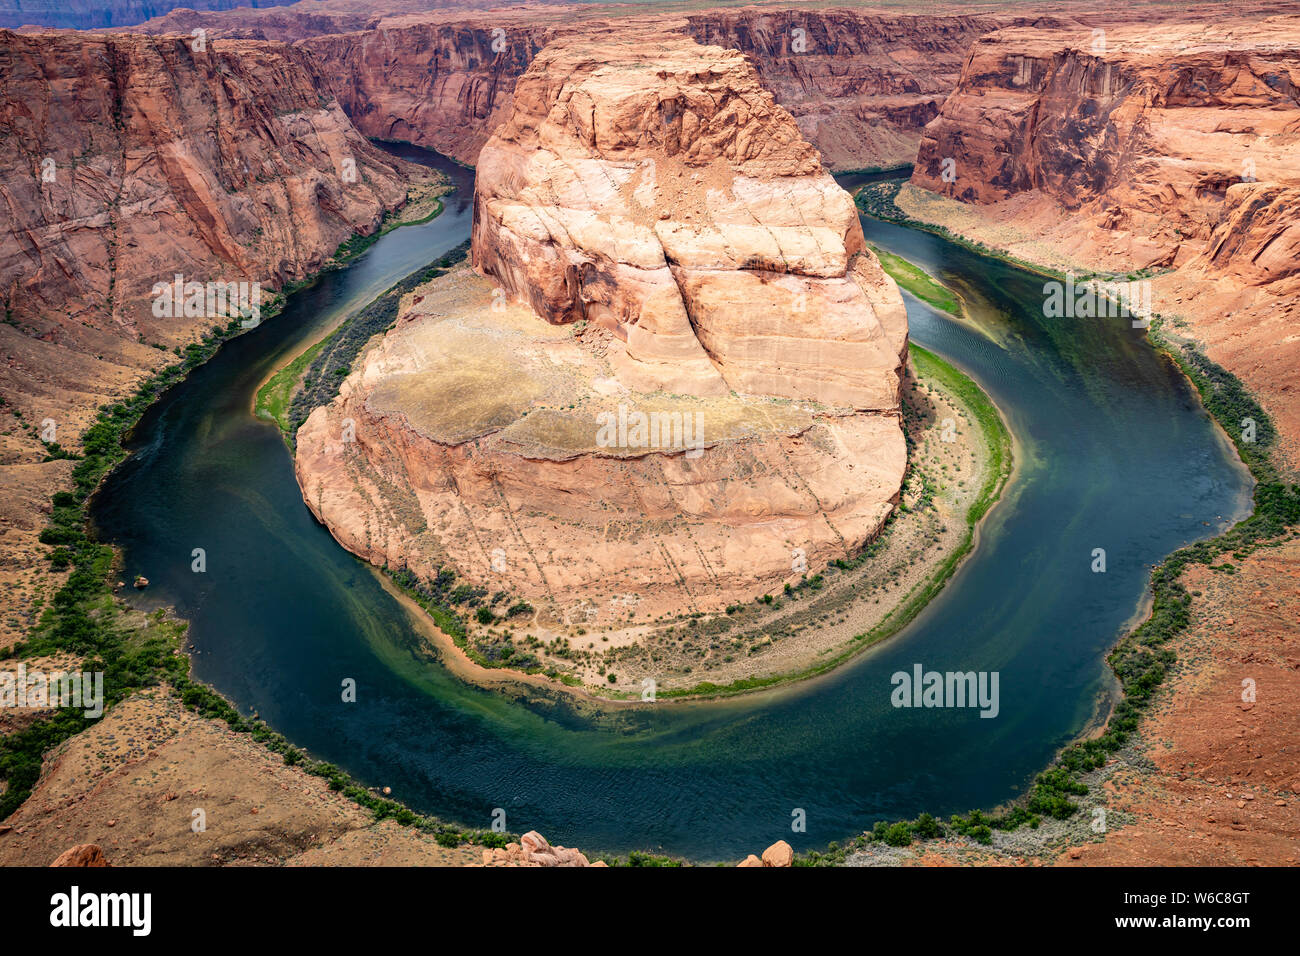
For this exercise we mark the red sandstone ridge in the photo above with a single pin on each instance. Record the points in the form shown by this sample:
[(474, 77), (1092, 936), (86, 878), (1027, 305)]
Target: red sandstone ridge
[(860, 86), (124, 161), (659, 242), (127, 160), (1148, 147)]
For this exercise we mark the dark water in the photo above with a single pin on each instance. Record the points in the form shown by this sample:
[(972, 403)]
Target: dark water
[(1116, 454)]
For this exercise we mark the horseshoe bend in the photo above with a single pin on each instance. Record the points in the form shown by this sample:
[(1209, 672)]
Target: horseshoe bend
[(864, 433), (671, 381)]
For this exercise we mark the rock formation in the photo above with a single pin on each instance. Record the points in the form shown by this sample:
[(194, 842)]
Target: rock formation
[(779, 854), (1152, 148), (125, 161), (128, 160), (84, 854), (682, 368), (861, 86), (655, 218), (533, 850)]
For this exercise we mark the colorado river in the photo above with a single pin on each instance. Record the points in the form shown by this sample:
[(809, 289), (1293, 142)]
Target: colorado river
[(1115, 453)]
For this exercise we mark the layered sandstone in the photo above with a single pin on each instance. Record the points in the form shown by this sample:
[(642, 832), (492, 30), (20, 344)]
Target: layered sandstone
[(441, 85), (654, 198), (658, 240), (861, 86), (1159, 148), (124, 161)]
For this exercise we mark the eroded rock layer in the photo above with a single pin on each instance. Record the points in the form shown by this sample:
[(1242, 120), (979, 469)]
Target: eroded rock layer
[(659, 198), (127, 160), (124, 162), (679, 382), (861, 86), (1171, 149)]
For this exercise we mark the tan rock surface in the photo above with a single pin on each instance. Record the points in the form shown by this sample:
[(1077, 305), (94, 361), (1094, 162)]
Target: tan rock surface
[(638, 194), (132, 782), (653, 196), (1145, 147), (85, 854)]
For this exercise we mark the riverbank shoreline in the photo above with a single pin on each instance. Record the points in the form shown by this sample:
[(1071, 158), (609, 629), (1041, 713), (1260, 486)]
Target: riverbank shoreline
[(919, 594), (1114, 752), (146, 654)]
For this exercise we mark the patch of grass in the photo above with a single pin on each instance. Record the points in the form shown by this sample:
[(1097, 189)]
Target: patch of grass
[(313, 377), (918, 282)]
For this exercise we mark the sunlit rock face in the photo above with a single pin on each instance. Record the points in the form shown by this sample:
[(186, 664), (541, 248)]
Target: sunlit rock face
[(653, 187), (672, 382), (1169, 148)]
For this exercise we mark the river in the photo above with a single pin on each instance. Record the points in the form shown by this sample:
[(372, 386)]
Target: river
[(1115, 452)]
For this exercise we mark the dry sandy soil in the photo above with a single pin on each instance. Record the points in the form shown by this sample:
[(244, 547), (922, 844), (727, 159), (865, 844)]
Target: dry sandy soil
[(132, 784)]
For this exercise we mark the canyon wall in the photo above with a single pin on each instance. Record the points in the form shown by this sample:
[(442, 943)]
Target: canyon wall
[(860, 86), (131, 159), (653, 218), (124, 161), (1170, 148), (659, 244), (444, 86)]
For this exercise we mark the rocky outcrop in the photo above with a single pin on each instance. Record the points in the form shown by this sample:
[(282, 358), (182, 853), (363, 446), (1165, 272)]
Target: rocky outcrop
[(129, 160), (440, 85), (651, 197), (1160, 148), (779, 854), (533, 850), (682, 369), (860, 86), (1134, 129), (84, 854), (124, 162)]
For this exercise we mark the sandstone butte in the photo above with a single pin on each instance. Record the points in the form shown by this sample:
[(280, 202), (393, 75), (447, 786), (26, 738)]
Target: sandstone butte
[(652, 232), (125, 160), (1171, 149)]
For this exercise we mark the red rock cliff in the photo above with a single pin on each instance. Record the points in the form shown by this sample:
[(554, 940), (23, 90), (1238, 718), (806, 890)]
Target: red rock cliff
[(125, 160)]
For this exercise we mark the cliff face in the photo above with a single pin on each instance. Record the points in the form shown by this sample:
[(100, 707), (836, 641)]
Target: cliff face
[(652, 199), (610, 411), (860, 86), (125, 161), (1137, 128), (1168, 147), (444, 86), (128, 160)]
